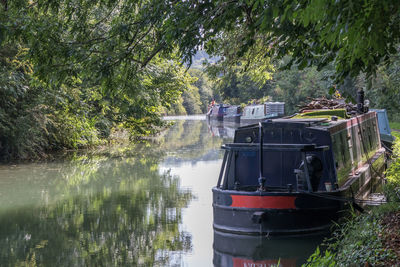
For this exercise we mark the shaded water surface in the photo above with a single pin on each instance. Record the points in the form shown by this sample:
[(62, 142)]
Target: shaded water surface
[(146, 205)]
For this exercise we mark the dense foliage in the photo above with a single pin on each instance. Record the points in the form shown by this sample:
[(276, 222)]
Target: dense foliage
[(296, 86), (36, 115), (358, 242), (385, 89), (71, 76), (356, 35)]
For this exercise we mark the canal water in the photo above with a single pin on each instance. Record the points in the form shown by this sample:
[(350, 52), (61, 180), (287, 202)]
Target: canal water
[(149, 204)]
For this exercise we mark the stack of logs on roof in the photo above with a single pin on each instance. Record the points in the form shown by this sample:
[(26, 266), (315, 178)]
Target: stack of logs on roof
[(324, 103)]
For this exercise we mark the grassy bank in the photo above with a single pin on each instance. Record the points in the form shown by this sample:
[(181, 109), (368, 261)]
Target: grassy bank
[(395, 125), (371, 238)]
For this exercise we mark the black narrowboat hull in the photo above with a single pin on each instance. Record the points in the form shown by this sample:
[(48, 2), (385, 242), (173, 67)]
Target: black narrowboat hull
[(274, 213)]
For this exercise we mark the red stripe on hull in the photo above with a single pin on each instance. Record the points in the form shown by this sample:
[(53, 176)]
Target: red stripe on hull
[(263, 202)]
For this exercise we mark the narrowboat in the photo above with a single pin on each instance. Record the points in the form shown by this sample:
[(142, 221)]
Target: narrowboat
[(233, 114), (257, 113), (217, 112), (296, 176)]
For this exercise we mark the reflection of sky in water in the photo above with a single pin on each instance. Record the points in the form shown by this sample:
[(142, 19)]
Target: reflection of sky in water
[(197, 218), (198, 173)]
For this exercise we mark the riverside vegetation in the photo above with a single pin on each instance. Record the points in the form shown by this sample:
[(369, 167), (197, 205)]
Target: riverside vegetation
[(74, 73)]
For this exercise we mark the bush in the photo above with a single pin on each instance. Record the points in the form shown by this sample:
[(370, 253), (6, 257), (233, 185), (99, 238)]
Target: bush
[(22, 133), (357, 242), (391, 188)]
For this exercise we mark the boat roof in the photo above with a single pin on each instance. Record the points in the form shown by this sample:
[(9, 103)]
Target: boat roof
[(306, 120), (327, 123), (221, 106)]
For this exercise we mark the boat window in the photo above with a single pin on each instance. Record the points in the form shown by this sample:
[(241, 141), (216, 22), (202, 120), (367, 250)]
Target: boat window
[(356, 145), (370, 136), (249, 139)]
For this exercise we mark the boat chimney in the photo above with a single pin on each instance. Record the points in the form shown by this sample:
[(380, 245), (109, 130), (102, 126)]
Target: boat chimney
[(360, 101)]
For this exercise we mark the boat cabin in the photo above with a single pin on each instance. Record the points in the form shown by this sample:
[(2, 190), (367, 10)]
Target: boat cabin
[(332, 149), (268, 110), (233, 114)]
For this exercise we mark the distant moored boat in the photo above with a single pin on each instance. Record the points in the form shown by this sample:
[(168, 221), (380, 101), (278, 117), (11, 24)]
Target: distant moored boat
[(233, 114), (257, 113), (217, 112)]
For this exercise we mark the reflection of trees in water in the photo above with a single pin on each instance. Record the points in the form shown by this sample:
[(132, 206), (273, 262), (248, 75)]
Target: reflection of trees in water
[(125, 213), (186, 139), (224, 130), (107, 208)]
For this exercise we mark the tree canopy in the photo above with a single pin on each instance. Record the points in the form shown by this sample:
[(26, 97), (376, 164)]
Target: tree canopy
[(73, 71), (356, 35), (111, 42)]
